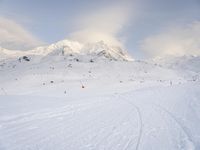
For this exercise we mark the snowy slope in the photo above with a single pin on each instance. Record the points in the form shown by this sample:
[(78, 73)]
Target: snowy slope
[(156, 118), (54, 102), (185, 62)]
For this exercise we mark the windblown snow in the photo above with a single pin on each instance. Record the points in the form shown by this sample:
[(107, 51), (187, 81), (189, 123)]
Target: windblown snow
[(71, 96)]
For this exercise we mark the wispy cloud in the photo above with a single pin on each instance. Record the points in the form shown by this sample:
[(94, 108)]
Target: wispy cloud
[(14, 36), (177, 41), (103, 24)]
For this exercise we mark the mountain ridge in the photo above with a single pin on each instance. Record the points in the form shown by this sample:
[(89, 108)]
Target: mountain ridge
[(68, 47)]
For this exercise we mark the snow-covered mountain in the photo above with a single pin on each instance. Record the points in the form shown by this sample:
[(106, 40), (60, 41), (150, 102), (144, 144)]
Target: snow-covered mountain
[(102, 49), (67, 47), (61, 47), (52, 104)]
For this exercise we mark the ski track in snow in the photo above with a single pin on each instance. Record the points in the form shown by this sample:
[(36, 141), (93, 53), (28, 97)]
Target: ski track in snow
[(96, 124), (123, 106), (21, 129), (140, 124), (180, 125)]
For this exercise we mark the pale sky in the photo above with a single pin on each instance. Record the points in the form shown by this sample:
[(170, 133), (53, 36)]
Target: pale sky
[(134, 23)]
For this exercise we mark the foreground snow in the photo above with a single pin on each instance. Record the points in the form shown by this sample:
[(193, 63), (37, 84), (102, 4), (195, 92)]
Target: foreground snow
[(123, 106)]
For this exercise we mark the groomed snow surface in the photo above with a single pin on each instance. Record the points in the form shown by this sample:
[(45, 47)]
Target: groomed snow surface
[(104, 105)]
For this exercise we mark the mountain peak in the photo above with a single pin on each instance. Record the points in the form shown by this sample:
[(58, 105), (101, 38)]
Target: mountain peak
[(111, 52)]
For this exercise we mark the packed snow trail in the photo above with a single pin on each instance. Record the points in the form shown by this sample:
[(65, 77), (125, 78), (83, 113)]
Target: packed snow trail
[(72, 129), (141, 119)]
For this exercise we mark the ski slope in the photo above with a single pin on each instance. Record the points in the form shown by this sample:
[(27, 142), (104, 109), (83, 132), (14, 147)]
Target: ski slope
[(56, 104), (164, 118)]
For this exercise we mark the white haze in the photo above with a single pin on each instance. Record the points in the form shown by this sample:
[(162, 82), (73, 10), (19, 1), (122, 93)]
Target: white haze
[(176, 41), (14, 36), (104, 24)]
